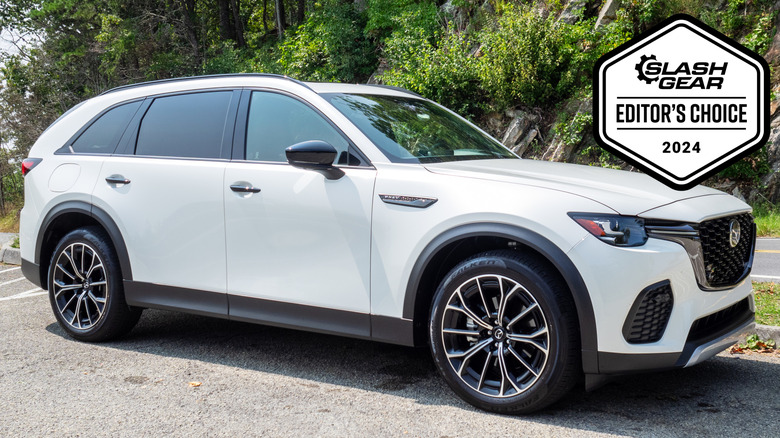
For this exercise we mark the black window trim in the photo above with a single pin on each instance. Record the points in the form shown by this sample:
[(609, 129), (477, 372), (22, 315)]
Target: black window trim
[(67, 148), (242, 124)]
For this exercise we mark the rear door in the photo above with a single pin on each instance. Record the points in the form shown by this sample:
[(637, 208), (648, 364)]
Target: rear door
[(164, 188)]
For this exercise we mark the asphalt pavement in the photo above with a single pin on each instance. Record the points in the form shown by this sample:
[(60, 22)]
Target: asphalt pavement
[(186, 375), (766, 264)]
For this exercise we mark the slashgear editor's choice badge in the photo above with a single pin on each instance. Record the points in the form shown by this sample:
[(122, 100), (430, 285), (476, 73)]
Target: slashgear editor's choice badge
[(681, 102)]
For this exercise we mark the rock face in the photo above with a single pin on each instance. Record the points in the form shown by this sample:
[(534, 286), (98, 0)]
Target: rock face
[(560, 149), (772, 180), (573, 11), (521, 132), (376, 77), (608, 12)]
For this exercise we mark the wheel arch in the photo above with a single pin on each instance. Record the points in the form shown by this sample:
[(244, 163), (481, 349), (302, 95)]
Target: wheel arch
[(68, 216), (440, 255)]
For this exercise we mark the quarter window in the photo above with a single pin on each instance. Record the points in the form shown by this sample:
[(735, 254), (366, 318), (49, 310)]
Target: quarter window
[(187, 125), (102, 136), (277, 121)]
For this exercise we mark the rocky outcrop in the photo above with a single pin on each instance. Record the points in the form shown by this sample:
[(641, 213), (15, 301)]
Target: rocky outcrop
[(608, 12), (772, 180), (376, 77), (521, 132), (573, 11)]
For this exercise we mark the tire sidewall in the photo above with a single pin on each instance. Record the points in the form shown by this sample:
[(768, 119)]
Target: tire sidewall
[(558, 332)]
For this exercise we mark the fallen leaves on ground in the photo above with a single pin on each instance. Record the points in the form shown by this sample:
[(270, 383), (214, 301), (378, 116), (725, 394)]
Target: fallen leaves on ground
[(741, 349), (195, 384), (754, 345)]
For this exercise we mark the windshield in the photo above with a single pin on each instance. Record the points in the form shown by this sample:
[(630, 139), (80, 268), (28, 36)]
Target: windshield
[(410, 130)]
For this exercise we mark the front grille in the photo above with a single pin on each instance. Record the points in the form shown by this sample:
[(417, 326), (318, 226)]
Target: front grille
[(725, 265), (647, 320), (720, 320)]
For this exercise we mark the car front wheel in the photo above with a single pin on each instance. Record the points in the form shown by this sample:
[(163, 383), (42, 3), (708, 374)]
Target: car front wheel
[(503, 333)]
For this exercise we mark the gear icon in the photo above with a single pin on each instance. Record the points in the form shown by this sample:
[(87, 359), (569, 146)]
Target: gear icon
[(640, 68)]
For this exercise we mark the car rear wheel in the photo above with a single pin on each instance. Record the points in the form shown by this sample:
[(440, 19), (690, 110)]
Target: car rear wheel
[(503, 333), (85, 287)]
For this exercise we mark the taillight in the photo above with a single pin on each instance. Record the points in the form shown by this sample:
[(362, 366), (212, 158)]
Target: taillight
[(28, 164)]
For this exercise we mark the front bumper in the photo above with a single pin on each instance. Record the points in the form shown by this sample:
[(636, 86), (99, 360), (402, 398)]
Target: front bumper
[(615, 277), (698, 348)]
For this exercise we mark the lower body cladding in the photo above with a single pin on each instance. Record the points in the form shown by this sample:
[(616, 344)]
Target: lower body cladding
[(650, 312), (268, 312)]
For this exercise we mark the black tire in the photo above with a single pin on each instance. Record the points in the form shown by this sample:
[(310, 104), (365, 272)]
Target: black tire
[(524, 363), (85, 287)]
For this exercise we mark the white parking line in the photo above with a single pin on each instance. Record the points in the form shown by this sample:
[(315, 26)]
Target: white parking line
[(9, 270), (12, 281), (765, 277), (26, 294)]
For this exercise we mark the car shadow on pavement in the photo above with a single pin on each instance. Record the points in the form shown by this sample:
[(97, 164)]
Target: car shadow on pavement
[(662, 403)]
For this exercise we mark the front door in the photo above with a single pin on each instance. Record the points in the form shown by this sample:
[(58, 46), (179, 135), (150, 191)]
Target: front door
[(298, 243)]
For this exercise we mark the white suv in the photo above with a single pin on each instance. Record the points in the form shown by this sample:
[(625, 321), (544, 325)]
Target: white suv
[(371, 212)]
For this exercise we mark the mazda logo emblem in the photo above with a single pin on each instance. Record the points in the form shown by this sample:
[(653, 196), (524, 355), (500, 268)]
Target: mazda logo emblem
[(734, 232)]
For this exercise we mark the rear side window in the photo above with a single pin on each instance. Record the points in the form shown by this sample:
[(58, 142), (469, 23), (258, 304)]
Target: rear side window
[(187, 125), (102, 136)]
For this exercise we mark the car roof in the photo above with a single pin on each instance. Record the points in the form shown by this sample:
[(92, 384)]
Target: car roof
[(249, 80)]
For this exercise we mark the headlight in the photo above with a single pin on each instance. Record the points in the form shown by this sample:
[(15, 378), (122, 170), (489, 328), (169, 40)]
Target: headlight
[(613, 229)]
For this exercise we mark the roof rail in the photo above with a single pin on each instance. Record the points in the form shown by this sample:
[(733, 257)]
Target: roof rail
[(392, 87), (190, 78)]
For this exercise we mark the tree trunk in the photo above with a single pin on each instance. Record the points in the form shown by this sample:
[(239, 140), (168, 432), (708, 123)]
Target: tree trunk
[(239, 25), (189, 28), (280, 22), (265, 15), (301, 12), (226, 29)]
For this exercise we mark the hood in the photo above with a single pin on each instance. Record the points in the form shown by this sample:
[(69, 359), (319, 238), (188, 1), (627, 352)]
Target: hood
[(628, 193)]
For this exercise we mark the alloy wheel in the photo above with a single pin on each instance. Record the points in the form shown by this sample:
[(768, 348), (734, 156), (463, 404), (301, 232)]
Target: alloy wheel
[(495, 335), (80, 286)]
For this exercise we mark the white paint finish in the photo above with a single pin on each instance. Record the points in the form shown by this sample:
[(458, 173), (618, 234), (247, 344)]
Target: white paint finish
[(39, 199), (64, 177), (699, 209), (303, 239), (400, 234), (171, 217), (627, 193), (615, 276), (765, 278)]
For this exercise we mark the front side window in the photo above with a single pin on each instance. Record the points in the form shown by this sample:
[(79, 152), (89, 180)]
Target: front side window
[(102, 136), (187, 125), (277, 122), (411, 130)]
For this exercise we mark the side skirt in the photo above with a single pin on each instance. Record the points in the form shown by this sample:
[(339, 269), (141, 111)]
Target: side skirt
[(268, 312)]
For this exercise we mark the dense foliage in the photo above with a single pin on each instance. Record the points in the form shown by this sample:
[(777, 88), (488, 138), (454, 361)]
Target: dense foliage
[(475, 56)]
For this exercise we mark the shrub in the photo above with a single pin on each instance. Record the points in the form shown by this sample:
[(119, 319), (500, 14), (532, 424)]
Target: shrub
[(535, 60), (750, 168), (329, 46), (447, 74)]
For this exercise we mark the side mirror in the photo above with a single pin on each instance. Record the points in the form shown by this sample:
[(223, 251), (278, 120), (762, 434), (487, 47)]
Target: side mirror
[(314, 155)]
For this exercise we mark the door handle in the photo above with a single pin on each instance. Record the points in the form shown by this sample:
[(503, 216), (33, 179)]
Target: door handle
[(117, 179), (244, 189)]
